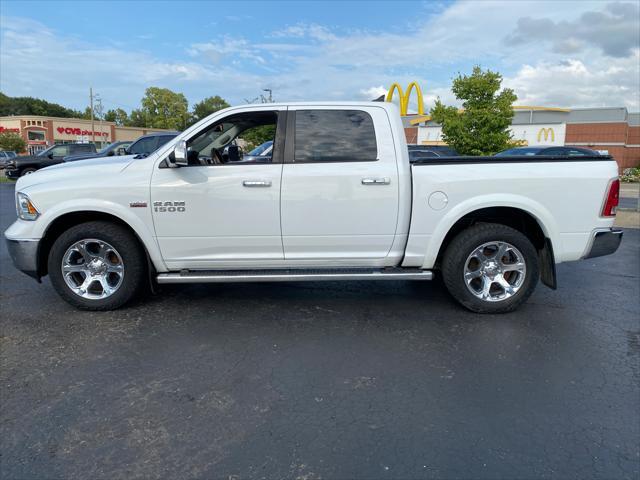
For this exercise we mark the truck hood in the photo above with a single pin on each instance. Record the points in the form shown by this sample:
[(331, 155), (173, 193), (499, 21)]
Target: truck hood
[(26, 159), (64, 171)]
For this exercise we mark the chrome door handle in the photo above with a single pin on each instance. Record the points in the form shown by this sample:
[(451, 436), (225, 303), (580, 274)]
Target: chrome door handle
[(256, 183), (376, 181)]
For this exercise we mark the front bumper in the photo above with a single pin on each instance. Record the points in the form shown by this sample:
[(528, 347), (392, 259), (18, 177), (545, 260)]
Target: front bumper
[(604, 242), (24, 254), (12, 173)]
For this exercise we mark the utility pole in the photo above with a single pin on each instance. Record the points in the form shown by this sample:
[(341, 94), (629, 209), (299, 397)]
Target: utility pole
[(93, 135), (99, 112)]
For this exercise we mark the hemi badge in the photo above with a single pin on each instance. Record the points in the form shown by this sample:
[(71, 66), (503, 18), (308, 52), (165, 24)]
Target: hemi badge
[(138, 204)]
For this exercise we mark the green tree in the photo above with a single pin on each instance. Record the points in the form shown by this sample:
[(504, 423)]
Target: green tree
[(12, 142), (119, 116), (87, 114), (163, 108), (257, 135), (206, 107), (482, 126), (33, 106), (137, 118)]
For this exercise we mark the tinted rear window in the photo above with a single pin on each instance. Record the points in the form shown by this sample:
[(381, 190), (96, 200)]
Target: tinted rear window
[(334, 136)]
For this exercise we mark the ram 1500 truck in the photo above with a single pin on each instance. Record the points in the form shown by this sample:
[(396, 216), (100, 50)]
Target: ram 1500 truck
[(339, 200)]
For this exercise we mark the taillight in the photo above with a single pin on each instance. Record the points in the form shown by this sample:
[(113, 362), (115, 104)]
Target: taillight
[(613, 197)]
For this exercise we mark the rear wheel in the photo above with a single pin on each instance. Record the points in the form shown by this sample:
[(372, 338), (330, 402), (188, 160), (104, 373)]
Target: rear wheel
[(490, 268), (97, 265)]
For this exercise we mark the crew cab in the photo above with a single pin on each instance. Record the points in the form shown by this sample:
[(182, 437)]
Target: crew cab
[(339, 200)]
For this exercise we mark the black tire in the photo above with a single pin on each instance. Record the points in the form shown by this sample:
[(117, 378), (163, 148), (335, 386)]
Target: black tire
[(462, 246), (127, 245), (27, 171)]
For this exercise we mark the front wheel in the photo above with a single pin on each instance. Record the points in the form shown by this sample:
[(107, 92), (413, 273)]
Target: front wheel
[(97, 265), (490, 268)]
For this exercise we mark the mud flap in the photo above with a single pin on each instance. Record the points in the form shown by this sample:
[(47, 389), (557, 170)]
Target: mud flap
[(547, 264)]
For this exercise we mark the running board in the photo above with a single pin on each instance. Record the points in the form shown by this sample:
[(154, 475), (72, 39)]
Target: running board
[(292, 275)]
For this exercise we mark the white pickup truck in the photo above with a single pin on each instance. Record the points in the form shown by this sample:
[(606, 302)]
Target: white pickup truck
[(337, 200)]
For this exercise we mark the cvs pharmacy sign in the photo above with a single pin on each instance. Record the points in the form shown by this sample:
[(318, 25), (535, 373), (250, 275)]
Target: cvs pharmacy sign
[(79, 131)]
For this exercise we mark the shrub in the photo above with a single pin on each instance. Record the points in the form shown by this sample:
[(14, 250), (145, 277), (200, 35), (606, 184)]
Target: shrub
[(630, 175), (12, 142)]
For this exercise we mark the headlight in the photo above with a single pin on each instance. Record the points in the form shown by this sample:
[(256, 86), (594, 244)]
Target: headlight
[(26, 209)]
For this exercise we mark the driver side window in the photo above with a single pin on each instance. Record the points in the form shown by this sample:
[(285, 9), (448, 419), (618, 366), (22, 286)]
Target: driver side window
[(60, 151), (240, 139)]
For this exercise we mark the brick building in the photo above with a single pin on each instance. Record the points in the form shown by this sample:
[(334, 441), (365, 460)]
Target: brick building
[(41, 132)]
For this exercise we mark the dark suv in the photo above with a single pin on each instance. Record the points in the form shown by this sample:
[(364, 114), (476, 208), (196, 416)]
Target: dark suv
[(148, 143), (24, 165)]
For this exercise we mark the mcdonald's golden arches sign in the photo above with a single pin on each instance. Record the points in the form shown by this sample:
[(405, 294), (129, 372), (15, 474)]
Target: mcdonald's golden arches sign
[(404, 97)]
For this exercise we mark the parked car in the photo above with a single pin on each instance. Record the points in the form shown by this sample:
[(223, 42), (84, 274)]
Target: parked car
[(149, 143), (5, 156), (24, 165), (554, 151), (338, 201), (262, 153), (415, 154), (436, 150), (108, 151)]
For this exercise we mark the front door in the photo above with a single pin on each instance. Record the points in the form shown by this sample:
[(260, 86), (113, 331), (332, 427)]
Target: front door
[(222, 211)]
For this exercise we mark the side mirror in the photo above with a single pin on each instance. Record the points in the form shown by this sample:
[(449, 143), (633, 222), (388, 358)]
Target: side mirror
[(180, 154), (50, 155), (110, 154)]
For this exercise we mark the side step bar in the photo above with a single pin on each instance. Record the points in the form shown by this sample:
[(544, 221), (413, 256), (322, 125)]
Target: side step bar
[(292, 275)]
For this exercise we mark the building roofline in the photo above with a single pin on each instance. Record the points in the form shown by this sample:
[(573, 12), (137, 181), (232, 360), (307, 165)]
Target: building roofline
[(539, 108)]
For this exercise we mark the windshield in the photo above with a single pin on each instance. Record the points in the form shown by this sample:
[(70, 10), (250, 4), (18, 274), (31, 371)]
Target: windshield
[(106, 149), (260, 149), (519, 152)]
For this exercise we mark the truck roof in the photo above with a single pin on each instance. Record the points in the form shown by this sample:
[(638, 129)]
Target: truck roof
[(385, 105)]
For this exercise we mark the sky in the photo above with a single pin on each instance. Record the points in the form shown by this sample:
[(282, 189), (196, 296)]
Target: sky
[(552, 53)]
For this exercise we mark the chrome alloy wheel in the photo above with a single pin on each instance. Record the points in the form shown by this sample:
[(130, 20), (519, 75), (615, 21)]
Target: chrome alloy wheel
[(495, 271), (92, 269)]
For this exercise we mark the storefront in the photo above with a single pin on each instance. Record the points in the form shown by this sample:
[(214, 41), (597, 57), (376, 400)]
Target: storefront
[(41, 132)]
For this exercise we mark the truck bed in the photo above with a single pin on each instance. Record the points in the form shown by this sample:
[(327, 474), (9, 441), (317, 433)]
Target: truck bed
[(563, 194)]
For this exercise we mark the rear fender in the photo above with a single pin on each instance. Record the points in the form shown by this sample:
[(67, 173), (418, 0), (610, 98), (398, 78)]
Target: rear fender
[(544, 218)]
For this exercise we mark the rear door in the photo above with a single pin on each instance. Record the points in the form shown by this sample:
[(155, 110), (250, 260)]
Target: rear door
[(340, 190)]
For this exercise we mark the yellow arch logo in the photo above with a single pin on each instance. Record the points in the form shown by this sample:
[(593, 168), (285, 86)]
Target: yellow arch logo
[(547, 132), (404, 97)]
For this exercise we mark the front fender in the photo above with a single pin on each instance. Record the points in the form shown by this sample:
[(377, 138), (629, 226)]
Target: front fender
[(138, 219)]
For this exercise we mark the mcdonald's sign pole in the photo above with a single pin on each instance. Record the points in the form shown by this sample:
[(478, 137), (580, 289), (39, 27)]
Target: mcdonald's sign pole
[(404, 97)]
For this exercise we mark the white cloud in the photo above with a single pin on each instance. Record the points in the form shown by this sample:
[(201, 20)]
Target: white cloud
[(575, 83), (373, 92), (224, 49), (307, 61), (614, 30)]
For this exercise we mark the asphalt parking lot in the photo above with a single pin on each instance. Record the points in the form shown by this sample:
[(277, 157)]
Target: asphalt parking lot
[(324, 380)]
